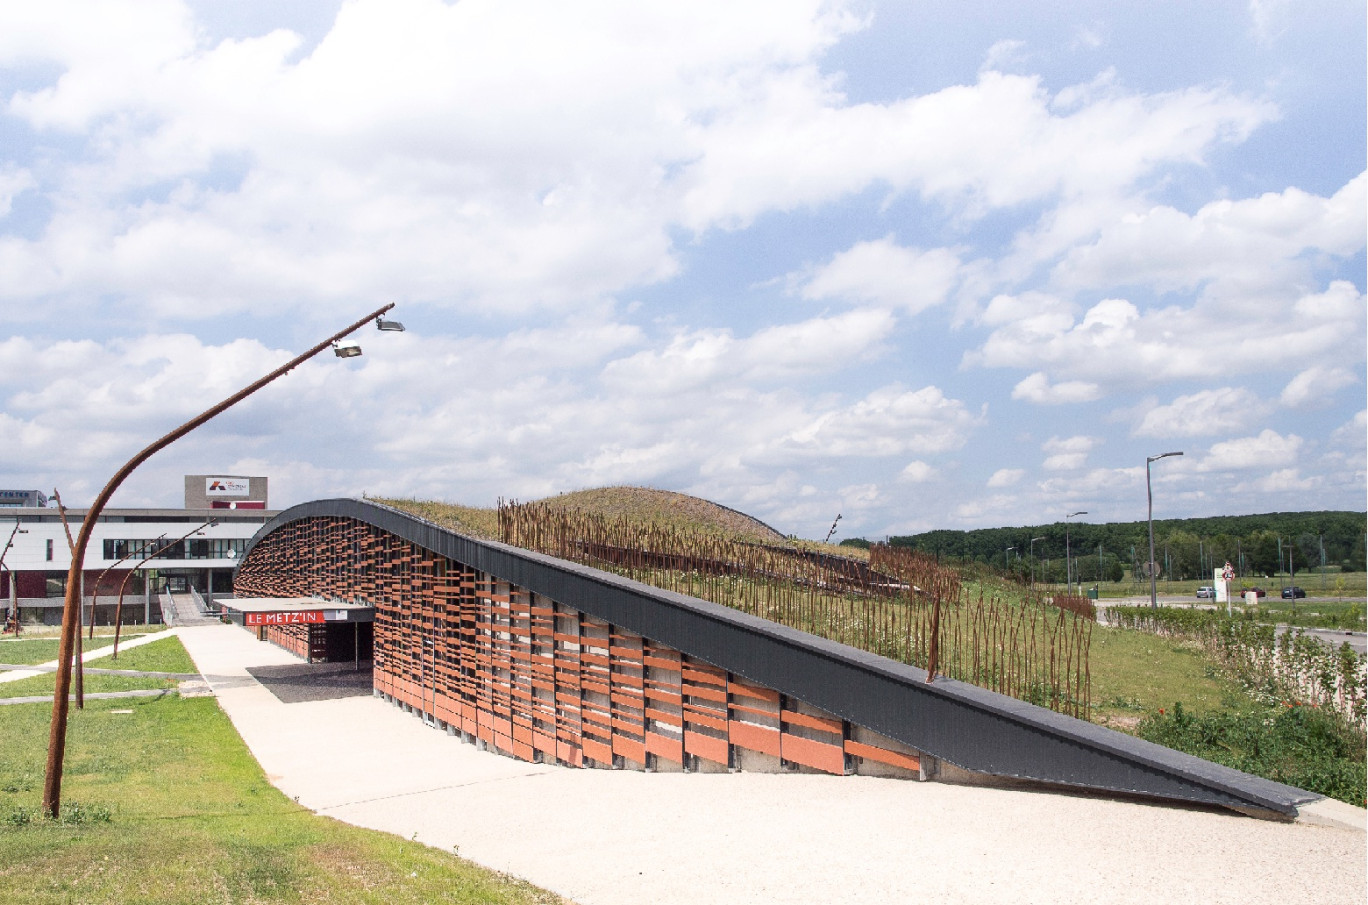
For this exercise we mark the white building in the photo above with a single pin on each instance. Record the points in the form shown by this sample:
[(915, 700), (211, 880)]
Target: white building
[(189, 554)]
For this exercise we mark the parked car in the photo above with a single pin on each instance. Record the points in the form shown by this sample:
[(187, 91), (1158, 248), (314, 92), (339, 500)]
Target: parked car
[(1257, 592), (1292, 593), (1206, 592)]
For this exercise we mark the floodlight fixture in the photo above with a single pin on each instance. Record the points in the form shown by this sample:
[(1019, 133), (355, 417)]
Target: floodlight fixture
[(389, 326), (346, 348)]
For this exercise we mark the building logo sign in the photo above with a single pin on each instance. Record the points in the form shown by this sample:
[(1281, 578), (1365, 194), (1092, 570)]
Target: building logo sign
[(300, 617), (226, 487)]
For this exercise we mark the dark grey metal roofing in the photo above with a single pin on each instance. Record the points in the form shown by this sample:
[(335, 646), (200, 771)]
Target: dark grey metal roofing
[(963, 724)]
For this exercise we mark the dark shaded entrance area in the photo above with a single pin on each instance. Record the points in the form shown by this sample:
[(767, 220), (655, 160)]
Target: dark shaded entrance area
[(347, 641), (300, 682)]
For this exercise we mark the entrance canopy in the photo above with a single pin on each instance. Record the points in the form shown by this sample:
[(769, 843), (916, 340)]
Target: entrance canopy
[(295, 610)]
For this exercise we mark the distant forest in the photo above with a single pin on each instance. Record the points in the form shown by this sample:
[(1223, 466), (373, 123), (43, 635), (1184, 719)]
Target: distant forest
[(1255, 545)]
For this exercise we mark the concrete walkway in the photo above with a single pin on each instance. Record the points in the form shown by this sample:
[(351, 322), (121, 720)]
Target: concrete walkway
[(95, 653), (609, 837)]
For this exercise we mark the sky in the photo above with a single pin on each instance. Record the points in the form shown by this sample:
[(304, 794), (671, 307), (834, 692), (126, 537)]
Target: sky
[(920, 264)]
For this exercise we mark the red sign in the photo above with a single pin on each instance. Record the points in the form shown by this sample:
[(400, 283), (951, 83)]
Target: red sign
[(298, 617)]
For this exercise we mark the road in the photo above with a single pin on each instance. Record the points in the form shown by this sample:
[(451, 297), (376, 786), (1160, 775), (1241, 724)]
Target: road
[(1334, 637)]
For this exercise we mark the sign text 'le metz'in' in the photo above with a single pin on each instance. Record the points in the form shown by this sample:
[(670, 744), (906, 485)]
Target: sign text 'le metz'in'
[(300, 617)]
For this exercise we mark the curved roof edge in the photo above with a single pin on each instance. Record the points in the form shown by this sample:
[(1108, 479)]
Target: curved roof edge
[(969, 726)]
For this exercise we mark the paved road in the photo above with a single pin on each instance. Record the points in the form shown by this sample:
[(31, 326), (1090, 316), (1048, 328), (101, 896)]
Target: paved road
[(616, 837), (1335, 637)]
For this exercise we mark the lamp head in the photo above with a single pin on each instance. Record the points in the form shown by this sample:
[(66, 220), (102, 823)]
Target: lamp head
[(388, 326), (346, 348)]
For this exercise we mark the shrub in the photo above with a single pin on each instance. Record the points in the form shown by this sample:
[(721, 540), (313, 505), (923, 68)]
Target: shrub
[(1294, 743)]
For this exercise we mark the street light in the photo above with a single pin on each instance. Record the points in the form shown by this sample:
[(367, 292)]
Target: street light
[(95, 595), (1068, 559), (118, 606), (1006, 559), (71, 611), (1149, 499), (1033, 543)]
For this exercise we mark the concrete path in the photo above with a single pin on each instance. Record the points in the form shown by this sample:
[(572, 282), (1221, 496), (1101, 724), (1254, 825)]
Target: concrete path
[(91, 696), (607, 837), (37, 669)]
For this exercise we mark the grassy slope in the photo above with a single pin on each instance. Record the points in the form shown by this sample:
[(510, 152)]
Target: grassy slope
[(193, 820), (637, 503), (1134, 673)]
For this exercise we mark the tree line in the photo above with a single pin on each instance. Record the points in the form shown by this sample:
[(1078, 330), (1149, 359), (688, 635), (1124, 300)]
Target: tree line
[(1254, 545)]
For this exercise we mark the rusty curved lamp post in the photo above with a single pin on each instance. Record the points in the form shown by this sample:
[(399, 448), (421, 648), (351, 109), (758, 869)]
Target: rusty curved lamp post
[(118, 607), (52, 779)]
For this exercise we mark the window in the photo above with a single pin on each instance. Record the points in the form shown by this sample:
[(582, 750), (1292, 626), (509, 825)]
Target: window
[(195, 548), (56, 584), (49, 550)]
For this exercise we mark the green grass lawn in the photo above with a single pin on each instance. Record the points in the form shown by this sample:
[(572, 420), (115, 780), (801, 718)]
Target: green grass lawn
[(166, 805), (46, 684), (32, 647), (166, 655), (1134, 673)]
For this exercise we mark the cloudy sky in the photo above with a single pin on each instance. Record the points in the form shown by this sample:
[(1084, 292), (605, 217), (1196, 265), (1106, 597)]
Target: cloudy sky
[(925, 264)]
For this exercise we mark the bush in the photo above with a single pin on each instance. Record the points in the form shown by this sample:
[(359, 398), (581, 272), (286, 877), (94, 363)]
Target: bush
[(1298, 744)]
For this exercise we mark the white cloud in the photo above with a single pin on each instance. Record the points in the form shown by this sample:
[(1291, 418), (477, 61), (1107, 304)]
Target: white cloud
[(1236, 243), (590, 212), (890, 421), (1005, 54), (1116, 345), (883, 273), (1093, 484), (990, 510), (993, 144), (1068, 453), (1353, 433), (13, 182), (1038, 389), (698, 358), (1284, 480), (1267, 18), (1006, 477), (1268, 450), (1315, 386), (1207, 412), (916, 472)]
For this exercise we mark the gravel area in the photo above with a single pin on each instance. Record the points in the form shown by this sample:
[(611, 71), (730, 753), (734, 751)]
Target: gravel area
[(609, 837)]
